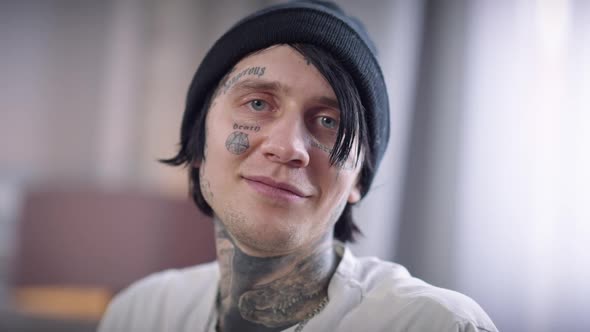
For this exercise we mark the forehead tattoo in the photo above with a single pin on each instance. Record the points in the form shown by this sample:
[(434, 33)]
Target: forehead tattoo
[(252, 85), (249, 71)]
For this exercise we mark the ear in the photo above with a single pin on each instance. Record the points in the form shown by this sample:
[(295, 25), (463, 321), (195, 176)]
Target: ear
[(355, 194), (196, 163)]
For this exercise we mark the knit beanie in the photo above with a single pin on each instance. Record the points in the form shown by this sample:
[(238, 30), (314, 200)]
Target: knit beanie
[(318, 23)]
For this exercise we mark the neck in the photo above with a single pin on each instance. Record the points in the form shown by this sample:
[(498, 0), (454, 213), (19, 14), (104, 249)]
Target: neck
[(270, 293)]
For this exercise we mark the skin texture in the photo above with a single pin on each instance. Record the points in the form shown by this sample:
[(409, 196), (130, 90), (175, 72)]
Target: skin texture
[(274, 247)]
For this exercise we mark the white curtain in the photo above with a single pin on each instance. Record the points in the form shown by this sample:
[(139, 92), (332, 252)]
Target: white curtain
[(497, 194), (524, 198)]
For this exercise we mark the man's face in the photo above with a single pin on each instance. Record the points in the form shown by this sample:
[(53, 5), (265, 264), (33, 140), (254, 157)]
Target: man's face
[(266, 172)]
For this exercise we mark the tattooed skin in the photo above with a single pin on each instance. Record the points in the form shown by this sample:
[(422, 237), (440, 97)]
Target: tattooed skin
[(321, 147), (222, 84), (254, 71), (264, 294), (237, 142), (254, 128), (270, 293), (347, 165)]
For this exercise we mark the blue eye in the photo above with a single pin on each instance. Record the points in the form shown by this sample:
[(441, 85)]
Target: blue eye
[(258, 105), (328, 122)]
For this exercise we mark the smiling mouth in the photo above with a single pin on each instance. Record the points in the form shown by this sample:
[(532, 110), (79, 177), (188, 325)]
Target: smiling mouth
[(272, 189)]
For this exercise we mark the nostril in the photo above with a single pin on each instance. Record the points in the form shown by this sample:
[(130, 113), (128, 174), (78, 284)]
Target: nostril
[(290, 156), (277, 155), (273, 157), (285, 143)]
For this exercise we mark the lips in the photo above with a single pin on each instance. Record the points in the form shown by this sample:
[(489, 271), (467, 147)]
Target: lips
[(277, 189)]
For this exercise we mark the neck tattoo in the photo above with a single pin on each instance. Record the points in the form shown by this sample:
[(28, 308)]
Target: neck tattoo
[(271, 294), (301, 324)]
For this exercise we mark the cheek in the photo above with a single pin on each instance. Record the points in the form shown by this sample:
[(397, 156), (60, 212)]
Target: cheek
[(335, 182), (227, 144), (206, 189), (237, 142), (235, 134)]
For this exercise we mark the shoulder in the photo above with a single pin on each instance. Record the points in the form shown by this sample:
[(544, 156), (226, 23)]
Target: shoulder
[(162, 296), (393, 297), (173, 282)]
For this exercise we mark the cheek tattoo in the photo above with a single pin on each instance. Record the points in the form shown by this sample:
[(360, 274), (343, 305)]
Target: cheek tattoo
[(321, 147), (347, 165), (237, 142)]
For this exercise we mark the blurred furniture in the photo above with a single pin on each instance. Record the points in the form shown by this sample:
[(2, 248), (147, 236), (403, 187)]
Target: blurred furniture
[(78, 247), (14, 321), (68, 302)]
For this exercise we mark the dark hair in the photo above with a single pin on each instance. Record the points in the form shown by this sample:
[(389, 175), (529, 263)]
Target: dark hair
[(352, 124)]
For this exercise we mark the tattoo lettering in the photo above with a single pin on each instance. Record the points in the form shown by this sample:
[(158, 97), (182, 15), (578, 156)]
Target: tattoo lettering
[(254, 71), (347, 165), (237, 142), (253, 128), (320, 146), (222, 84)]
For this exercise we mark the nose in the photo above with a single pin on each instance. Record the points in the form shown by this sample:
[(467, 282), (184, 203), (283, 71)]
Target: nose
[(285, 143)]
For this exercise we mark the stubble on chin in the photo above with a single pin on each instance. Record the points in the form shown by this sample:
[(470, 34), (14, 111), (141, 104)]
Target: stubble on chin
[(260, 237)]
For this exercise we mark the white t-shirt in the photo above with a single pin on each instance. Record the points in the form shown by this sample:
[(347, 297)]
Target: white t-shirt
[(365, 294)]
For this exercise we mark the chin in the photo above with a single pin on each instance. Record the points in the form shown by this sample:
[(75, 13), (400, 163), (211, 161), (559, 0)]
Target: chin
[(258, 235)]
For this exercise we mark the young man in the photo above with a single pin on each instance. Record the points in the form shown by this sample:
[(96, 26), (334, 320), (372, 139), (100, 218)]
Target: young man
[(286, 121)]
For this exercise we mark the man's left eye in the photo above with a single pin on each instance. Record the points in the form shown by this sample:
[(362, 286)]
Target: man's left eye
[(258, 104), (328, 122)]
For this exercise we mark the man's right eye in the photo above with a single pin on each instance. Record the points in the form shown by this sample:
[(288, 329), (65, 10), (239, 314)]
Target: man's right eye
[(258, 105)]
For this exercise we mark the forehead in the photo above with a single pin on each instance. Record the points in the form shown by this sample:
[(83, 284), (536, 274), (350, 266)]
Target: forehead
[(286, 66)]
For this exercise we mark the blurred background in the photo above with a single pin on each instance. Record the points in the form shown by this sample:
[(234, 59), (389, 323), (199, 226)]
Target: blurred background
[(485, 187)]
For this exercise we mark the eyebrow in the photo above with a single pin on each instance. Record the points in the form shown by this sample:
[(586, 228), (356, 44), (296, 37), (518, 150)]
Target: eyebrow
[(257, 85), (274, 86), (328, 101)]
